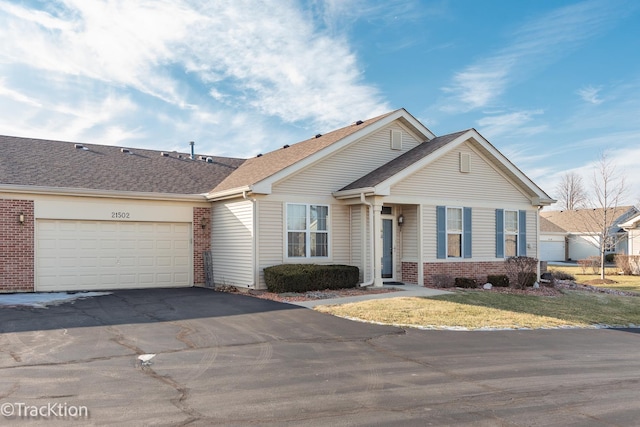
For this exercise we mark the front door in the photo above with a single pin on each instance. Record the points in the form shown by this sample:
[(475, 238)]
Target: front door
[(387, 248)]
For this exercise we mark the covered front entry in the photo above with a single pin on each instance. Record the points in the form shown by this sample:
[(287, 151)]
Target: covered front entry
[(74, 255)]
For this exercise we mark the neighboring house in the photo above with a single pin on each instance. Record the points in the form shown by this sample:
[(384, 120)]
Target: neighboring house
[(632, 227), (385, 195), (574, 235)]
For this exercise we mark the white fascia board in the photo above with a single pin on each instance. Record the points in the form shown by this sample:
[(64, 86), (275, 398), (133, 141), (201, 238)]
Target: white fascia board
[(348, 194), (417, 125), (265, 185), (111, 194), (631, 223), (228, 194)]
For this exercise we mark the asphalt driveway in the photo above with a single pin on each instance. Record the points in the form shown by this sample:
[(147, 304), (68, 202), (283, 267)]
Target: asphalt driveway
[(227, 359)]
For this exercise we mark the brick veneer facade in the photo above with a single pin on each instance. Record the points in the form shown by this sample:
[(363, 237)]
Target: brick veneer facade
[(478, 270), (16, 246), (201, 242)]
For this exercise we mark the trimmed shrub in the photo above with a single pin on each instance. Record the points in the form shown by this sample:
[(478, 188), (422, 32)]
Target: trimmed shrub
[(527, 279), (610, 257), (465, 282), (623, 262), (498, 280), (310, 277), (442, 280)]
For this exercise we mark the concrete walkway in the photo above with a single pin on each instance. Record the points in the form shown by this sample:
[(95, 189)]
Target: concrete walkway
[(403, 291)]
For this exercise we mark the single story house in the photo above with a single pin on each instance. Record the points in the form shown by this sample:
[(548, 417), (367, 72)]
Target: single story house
[(632, 227), (574, 234), (384, 194)]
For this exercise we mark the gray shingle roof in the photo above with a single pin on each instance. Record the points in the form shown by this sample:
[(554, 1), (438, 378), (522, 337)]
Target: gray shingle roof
[(258, 168), (586, 220), (37, 162), (396, 165)]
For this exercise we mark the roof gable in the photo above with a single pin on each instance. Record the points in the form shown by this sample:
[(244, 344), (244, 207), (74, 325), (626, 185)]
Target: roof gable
[(380, 180), (259, 173), (56, 164)]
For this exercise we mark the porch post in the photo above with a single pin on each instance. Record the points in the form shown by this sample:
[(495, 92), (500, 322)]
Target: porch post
[(377, 243), (420, 231)]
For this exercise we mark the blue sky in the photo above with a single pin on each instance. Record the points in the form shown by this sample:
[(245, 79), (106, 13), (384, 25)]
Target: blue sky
[(552, 84)]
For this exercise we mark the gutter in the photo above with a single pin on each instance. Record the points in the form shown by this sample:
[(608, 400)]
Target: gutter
[(109, 194), (371, 242), (228, 194), (253, 240)]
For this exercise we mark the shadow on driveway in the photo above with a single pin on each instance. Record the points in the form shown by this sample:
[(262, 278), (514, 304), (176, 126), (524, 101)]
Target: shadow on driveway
[(136, 307)]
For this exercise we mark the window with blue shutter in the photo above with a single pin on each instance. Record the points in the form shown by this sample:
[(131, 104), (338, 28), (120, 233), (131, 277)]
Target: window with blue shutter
[(522, 233), (467, 233), (499, 233), (441, 231)]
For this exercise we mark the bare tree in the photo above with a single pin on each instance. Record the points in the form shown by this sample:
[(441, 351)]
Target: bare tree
[(571, 192), (609, 190)]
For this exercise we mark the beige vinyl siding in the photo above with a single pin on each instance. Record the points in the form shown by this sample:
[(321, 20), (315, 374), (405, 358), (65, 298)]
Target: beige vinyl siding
[(483, 227), (429, 235), (357, 235), (408, 234), (271, 235), (442, 179), (339, 242), (231, 243), (342, 168)]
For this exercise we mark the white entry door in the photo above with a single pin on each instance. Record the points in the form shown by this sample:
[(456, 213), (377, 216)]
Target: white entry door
[(90, 255)]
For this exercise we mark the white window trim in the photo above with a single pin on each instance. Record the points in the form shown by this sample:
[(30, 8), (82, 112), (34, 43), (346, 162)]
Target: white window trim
[(511, 233), (307, 257), (461, 233)]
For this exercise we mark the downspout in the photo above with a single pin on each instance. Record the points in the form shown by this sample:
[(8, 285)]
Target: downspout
[(363, 200), (253, 239), (538, 241)]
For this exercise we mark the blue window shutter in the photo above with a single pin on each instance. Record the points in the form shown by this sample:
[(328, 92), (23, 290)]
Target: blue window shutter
[(499, 233), (466, 240), (522, 233), (441, 226)]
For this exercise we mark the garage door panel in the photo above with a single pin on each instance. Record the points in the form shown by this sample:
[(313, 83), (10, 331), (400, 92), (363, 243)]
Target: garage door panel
[(80, 255)]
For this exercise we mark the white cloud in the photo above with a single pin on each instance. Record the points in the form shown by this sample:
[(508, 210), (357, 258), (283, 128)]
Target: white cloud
[(246, 58), (511, 124), (535, 44), (590, 94)]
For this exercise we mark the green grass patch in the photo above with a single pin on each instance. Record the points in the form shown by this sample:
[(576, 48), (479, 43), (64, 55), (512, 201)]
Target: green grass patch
[(624, 283), (478, 310)]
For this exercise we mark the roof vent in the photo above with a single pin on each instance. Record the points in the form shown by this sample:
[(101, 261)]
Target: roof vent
[(318, 135), (358, 123), (259, 155), (285, 146), (126, 151), (163, 154), (80, 147), (209, 160)]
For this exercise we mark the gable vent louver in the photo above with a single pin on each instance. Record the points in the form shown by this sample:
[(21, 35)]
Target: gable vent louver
[(125, 151)]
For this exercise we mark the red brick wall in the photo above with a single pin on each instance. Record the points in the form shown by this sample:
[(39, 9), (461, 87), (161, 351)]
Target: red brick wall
[(201, 242), (410, 272), (16, 246), (478, 270)]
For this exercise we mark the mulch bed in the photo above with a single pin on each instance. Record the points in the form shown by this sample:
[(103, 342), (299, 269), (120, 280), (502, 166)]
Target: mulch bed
[(306, 296)]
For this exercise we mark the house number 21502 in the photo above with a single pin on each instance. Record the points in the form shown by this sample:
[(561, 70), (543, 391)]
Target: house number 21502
[(120, 215)]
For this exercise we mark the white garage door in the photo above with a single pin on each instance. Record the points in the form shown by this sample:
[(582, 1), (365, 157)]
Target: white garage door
[(87, 255), (552, 251)]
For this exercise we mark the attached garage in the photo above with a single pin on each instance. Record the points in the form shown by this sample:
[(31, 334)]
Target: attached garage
[(73, 255), (552, 250)]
